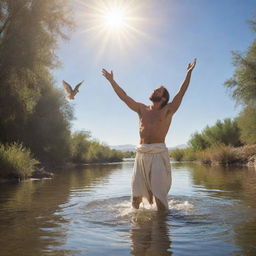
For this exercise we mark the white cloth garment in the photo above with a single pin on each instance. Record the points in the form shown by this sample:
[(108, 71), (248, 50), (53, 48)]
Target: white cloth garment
[(152, 172)]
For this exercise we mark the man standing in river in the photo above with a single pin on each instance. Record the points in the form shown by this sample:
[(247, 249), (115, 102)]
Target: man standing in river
[(152, 170)]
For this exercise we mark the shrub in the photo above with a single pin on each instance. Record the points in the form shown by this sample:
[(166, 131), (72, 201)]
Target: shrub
[(87, 150), (189, 154), (245, 152), (79, 146), (204, 156), (177, 154), (16, 161), (198, 142), (222, 154), (247, 123), (218, 154), (222, 132)]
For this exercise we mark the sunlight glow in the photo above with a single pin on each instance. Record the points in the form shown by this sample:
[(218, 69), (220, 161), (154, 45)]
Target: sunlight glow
[(112, 24), (115, 18)]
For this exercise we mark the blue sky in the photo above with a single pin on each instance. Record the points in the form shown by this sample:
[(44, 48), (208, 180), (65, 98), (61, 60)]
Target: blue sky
[(171, 33)]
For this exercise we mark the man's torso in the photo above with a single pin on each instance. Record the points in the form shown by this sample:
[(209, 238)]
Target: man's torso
[(154, 124)]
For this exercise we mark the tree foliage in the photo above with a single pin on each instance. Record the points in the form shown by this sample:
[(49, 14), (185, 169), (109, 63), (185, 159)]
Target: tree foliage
[(247, 124), (84, 149), (243, 86), (224, 132), (243, 81), (32, 109), (80, 146), (198, 142)]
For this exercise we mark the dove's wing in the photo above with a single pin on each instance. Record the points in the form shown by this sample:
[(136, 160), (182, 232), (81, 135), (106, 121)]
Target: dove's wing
[(77, 86), (67, 87)]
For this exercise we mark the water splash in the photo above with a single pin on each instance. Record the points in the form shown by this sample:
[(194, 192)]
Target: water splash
[(182, 206), (118, 210)]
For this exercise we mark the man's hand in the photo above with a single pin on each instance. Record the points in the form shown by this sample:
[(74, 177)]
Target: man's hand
[(109, 76), (191, 65)]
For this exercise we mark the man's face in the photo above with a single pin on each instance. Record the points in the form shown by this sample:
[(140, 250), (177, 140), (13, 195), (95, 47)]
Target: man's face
[(157, 94)]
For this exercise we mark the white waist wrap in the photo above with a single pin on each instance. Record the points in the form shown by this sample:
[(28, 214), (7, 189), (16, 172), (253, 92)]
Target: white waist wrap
[(152, 172)]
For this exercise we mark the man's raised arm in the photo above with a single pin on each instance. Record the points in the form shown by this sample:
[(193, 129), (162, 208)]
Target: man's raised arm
[(174, 105), (135, 106)]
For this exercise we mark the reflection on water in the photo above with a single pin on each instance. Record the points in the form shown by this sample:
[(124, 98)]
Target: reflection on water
[(237, 184), (87, 211), (28, 223), (150, 236)]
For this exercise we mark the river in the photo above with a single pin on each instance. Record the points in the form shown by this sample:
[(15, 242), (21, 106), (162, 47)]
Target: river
[(87, 211)]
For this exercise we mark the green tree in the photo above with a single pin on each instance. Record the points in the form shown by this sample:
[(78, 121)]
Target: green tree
[(32, 109), (224, 132), (198, 142), (243, 87), (47, 130), (84, 149), (243, 82), (80, 146), (247, 123)]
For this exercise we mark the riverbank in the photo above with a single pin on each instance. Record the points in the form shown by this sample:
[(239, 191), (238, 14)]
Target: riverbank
[(17, 162), (218, 155), (246, 155), (39, 171)]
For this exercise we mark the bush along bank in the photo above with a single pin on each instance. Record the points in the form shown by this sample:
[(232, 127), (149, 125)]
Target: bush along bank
[(17, 163), (218, 154)]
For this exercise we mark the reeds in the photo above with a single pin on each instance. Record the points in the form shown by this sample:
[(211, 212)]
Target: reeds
[(219, 154), (184, 154)]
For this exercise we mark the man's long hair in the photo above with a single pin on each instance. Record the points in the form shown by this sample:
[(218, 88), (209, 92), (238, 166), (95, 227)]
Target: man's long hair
[(166, 96)]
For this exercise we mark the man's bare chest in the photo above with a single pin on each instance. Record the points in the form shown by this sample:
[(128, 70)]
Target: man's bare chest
[(154, 118)]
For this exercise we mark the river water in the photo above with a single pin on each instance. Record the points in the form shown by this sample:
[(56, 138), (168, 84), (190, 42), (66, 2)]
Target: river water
[(87, 211)]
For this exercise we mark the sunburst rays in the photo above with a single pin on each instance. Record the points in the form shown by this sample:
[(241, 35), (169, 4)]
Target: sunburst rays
[(113, 24)]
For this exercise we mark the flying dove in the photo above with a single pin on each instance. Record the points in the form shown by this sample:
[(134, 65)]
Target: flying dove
[(71, 93)]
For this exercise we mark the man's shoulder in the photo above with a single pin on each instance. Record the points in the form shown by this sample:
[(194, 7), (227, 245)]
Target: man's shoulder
[(143, 106), (169, 108)]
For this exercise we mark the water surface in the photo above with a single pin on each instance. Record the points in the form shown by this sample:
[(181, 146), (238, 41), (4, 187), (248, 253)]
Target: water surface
[(87, 211)]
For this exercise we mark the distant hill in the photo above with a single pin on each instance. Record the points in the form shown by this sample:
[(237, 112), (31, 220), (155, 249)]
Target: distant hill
[(124, 148), (130, 147), (178, 146)]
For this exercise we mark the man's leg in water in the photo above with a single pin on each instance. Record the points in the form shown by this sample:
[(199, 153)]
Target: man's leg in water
[(136, 200), (160, 206)]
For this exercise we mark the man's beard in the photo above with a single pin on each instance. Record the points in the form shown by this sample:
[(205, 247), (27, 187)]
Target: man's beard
[(154, 98)]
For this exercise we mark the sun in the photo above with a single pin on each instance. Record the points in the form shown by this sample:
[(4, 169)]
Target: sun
[(114, 18), (111, 25)]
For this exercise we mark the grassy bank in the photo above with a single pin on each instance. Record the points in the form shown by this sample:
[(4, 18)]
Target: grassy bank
[(16, 162), (218, 155)]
